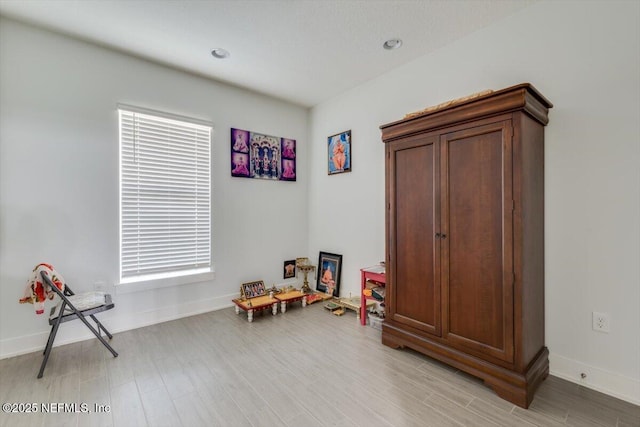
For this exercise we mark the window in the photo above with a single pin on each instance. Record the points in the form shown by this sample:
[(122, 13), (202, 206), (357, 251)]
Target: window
[(165, 196)]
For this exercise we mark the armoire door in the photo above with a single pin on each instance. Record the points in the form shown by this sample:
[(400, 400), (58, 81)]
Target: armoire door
[(413, 181), (476, 239)]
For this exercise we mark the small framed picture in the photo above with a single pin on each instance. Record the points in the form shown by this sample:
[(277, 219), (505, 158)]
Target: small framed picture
[(239, 164), (290, 269), (253, 289), (339, 152), (329, 270)]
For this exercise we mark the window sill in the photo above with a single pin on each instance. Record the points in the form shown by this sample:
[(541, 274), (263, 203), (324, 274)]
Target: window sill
[(164, 282)]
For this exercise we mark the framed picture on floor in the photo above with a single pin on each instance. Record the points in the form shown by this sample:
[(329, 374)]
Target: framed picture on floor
[(329, 270)]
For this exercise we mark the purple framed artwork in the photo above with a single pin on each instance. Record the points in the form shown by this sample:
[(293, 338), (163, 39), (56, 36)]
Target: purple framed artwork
[(255, 155), (239, 153), (288, 147)]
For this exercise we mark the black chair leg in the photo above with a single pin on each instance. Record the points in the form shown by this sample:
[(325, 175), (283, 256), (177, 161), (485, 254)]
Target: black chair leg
[(47, 350), (96, 333), (49, 340), (101, 327)]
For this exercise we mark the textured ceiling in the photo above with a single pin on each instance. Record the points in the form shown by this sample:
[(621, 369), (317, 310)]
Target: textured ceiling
[(301, 51)]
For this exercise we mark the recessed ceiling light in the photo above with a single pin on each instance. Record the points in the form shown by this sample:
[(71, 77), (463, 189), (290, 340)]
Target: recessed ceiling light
[(392, 44), (220, 53)]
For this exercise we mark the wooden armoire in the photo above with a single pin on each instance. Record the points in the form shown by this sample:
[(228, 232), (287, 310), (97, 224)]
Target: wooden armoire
[(465, 237)]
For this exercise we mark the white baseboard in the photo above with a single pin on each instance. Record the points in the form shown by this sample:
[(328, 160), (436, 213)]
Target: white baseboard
[(598, 379), (76, 331)]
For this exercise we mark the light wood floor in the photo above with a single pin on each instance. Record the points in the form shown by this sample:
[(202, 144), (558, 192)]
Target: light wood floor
[(304, 368)]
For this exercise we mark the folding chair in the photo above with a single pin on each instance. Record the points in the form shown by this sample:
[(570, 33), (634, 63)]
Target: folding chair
[(72, 306)]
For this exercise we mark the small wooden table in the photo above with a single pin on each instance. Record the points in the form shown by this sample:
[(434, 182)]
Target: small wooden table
[(354, 304), (255, 304), (289, 297)]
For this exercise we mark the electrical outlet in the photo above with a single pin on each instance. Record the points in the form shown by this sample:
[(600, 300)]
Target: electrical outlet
[(600, 322)]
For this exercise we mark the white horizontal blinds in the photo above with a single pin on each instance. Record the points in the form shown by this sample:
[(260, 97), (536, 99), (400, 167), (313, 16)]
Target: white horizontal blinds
[(165, 195)]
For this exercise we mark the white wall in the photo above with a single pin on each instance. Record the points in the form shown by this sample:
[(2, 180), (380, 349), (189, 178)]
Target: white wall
[(59, 188), (59, 180), (585, 58)]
